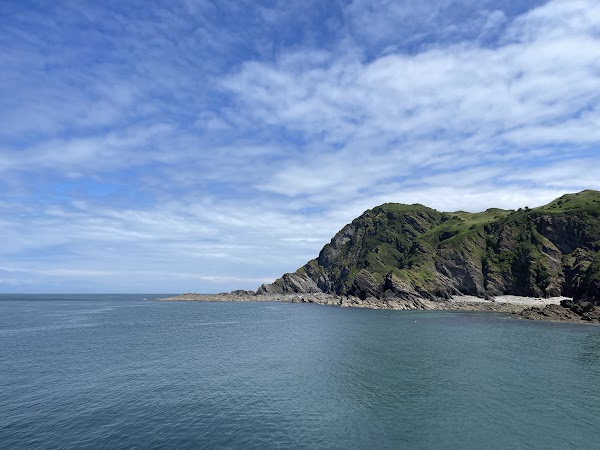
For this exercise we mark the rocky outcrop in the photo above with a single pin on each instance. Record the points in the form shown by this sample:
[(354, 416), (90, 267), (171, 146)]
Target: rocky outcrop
[(567, 311), (506, 304), (413, 253), (551, 313), (460, 269), (290, 283)]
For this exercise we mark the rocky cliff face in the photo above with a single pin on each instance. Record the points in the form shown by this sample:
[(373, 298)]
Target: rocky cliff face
[(414, 252)]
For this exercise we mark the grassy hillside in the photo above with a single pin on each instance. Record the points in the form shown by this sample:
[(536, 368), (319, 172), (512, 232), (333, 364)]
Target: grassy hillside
[(415, 251)]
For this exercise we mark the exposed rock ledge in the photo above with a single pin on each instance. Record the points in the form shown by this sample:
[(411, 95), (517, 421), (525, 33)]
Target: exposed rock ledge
[(548, 309), (566, 311)]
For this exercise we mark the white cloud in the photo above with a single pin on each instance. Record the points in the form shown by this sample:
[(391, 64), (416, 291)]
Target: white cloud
[(399, 114), (228, 175)]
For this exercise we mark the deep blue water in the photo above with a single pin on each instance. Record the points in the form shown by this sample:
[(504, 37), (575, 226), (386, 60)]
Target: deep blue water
[(122, 372)]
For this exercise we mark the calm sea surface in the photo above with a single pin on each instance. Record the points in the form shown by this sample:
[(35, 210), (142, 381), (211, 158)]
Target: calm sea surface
[(119, 371)]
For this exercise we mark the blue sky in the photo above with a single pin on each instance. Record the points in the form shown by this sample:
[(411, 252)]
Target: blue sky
[(213, 145)]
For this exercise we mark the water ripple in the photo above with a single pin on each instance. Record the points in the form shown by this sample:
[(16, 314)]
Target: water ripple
[(255, 376)]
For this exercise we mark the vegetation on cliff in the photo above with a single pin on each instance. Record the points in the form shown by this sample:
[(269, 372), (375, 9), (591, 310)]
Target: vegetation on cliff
[(412, 251)]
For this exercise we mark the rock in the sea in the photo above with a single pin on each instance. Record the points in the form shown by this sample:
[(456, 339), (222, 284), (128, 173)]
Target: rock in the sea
[(551, 313)]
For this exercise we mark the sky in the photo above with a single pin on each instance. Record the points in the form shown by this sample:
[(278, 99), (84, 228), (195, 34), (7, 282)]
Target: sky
[(205, 146)]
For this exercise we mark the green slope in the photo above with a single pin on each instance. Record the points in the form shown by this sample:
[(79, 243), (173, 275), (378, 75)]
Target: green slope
[(412, 251)]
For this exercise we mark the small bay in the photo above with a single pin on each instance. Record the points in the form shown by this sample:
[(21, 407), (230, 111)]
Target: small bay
[(128, 371)]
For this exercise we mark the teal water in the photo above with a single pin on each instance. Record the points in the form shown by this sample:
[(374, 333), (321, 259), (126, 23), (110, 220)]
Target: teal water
[(123, 372)]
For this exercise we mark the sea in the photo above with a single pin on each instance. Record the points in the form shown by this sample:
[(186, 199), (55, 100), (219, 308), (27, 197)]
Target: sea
[(128, 371)]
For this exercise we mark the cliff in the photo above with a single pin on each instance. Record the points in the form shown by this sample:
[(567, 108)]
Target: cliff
[(413, 252)]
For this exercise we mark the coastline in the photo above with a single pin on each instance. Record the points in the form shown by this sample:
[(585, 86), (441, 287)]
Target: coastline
[(532, 308)]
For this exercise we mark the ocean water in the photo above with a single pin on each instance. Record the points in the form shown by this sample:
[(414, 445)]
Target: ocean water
[(121, 371)]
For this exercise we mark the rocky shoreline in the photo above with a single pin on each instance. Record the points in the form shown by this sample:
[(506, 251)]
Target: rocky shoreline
[(401, 257), (547, 309)]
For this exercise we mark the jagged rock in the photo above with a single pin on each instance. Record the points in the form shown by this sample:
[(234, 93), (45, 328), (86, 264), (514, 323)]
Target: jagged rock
[(553, 313), (290, 283), (364, 285), (463, 272)]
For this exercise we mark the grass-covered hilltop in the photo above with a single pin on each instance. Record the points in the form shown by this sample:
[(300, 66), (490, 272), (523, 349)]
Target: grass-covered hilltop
[(415, 252)]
